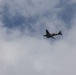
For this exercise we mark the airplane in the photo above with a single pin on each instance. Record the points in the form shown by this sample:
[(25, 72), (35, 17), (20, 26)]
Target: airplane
[(48, 35)]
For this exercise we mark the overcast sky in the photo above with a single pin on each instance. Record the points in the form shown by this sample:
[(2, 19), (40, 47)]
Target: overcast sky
[(24, 50)]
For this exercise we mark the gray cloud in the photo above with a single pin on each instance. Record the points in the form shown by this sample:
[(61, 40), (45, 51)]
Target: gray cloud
[(25, 53), (30, 55), (67, 11)]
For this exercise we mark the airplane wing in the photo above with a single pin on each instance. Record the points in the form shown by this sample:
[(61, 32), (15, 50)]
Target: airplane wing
[(47, 32), (52, 37)]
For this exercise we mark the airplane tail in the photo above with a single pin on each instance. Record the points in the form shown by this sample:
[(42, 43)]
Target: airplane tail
[(60, 33)]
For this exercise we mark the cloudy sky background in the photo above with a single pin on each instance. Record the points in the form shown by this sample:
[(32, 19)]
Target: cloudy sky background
[(24, 50)]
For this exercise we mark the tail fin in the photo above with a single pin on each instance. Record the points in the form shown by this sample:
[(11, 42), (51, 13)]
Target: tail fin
[(60, 33)]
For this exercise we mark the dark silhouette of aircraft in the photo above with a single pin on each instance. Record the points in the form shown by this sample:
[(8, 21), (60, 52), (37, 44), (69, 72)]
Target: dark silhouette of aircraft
[(48, 35)]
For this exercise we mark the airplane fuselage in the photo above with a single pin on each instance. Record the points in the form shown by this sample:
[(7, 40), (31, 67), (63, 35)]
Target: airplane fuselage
[(48, 36)]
